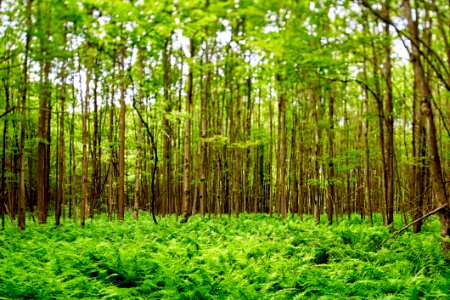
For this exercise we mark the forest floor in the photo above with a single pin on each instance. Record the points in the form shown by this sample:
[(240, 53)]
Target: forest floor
[(255, 257)]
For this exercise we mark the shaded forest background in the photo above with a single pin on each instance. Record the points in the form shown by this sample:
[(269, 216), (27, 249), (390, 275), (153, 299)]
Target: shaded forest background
[(224, 107)]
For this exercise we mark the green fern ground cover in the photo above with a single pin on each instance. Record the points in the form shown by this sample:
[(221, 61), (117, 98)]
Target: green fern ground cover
[(255, 257)]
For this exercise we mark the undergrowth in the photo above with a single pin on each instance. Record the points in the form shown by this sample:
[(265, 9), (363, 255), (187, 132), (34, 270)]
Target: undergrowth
[(255, 257)]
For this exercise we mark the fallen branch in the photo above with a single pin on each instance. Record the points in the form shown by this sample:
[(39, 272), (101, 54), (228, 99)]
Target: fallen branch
[(349, 195), (410, 224), (7, 112)]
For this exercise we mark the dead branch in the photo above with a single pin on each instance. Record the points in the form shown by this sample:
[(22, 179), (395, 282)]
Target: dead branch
[(7, 112), (398, 232)]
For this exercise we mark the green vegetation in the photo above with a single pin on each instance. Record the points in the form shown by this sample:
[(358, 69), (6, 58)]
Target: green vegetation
[(255, 257)]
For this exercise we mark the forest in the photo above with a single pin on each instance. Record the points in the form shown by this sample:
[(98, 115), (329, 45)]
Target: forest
[(327, 117)]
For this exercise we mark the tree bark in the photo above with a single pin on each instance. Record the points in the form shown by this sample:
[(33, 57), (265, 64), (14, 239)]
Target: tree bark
[(85, 137), (332, 193), (61, 169), (186, 197), (121, 199), (430, 130), (388, 119), (95, 182), (365, 130), (139, 140), (22, 197), (42, 167), (203, 130), (282, 150)]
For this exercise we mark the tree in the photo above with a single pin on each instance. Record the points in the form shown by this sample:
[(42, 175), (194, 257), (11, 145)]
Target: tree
[(426, 110), (22, 196), (121, 198)]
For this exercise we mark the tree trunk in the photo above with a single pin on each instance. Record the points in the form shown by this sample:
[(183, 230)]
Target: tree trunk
[(42, 152), (85, 137), (61, 170), (316, 186), (121, 199), (139, 140), (282, 151), (112, 165), (22, 197), (186, 198), (332, 193), (388, 119), (269, 165), (425, 97), (95, 183), (365, 130), (203, 128), (72, 164)]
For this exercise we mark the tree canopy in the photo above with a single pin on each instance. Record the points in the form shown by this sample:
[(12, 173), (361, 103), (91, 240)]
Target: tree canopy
[(221, 107)]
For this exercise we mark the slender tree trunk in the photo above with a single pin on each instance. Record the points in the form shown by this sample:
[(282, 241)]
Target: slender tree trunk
[(316, 188), (237, 154), (44, 114), (121, 199), (282, 151), (430, 129), (294, 162), (186, 198), (61, 187), (85, 137), (418, 183), (44, 98), (22, 197), (269, 172), (381, 117), (167, 161), (72, 164), (139, 140), (388, 119), (203, 128), (112, 168), (95, 182), (332, 192), (3, 187), (365, 129)]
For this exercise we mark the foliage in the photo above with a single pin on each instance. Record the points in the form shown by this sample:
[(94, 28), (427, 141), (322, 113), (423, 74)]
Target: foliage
[(255, 257)]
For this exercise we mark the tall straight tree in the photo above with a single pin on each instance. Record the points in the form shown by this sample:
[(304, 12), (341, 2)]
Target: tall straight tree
[(365, 132), (43, 171), (112, 151), (203, 127), (167, 172), (85, 141), (282, 149), (95, 161), (388, 117), (121, 199), (186, 197), (22, 196), (426, 109), (332, 193), (61, 154), (139, 137)]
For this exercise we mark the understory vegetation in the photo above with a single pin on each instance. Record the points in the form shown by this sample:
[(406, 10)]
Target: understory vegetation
[(254, 257)]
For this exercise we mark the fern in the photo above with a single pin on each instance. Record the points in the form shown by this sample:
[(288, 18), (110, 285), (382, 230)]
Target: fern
[(255, 257)]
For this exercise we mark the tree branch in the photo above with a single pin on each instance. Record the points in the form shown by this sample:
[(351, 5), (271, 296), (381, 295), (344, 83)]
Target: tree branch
[(357, 81), (155, 151), (402, 33), (8, 111), (410, 224)]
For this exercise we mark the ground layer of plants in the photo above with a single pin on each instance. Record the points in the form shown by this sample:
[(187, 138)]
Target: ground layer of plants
[(255, 257)]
